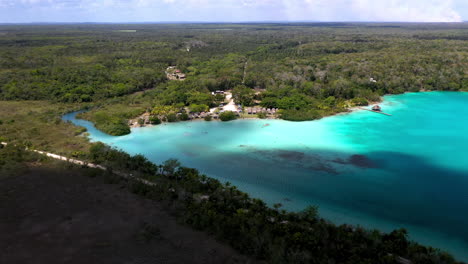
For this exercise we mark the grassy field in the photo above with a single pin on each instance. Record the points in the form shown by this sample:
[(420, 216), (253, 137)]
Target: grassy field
[(38, 124)]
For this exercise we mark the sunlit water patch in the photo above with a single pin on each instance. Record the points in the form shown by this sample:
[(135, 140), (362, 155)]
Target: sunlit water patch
[(406, 170)]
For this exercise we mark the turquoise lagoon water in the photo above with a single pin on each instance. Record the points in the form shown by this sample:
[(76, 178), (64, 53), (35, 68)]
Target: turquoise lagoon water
[(406, 170)]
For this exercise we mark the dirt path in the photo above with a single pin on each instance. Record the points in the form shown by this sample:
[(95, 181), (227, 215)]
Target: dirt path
[(95, 166), (231, 106), (87, 164), (245, 72)]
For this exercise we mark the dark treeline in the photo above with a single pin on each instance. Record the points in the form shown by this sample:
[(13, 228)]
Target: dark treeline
[(247, 224)]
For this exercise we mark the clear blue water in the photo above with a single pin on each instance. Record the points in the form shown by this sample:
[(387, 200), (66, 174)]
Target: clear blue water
[(406, 170)]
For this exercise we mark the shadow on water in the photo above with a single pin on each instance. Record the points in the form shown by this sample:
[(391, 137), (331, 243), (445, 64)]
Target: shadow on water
[(401, 189), (424, 194), (393, 186)]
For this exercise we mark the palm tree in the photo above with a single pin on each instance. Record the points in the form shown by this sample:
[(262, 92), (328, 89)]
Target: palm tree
[(277, 205), (170, 166)]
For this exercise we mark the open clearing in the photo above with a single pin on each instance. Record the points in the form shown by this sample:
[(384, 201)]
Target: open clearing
[(50, 216)]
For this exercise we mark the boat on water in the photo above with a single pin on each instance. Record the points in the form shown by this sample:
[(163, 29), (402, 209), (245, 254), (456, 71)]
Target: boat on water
[(376, 108)]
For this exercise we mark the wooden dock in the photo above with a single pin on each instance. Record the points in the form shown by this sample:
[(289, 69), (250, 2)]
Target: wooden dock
[(378, 112)]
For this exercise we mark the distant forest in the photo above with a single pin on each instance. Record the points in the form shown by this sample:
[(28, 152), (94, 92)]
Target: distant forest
[(309, 70)]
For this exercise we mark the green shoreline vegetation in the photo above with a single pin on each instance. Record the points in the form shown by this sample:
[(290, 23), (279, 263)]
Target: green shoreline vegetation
[(307, 70)]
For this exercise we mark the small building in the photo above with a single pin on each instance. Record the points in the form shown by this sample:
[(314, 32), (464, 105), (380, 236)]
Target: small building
[(173, 73), (376, 108), (217, 92), (181, 76)]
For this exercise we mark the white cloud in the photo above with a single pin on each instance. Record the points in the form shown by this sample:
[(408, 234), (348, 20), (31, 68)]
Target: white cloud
[(373, 10), (247, 10), (412, 11)]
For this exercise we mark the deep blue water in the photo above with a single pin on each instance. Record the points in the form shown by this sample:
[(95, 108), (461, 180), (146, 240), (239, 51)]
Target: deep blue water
[(406, 170)]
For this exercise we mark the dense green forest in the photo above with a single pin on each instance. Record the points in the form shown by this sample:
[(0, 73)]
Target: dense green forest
[(248, 225), (306, 70)]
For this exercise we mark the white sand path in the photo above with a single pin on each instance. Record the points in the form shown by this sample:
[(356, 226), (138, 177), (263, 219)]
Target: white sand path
[(231, 106), (89, 165)]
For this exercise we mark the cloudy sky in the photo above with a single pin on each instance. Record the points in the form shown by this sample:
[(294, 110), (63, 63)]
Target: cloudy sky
[(13, 11)]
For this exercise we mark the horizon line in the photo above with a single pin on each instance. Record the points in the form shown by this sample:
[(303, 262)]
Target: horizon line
[(228, 22)]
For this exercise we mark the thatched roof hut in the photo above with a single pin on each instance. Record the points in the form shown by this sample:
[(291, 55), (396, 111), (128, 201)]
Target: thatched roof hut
[(376, 108)]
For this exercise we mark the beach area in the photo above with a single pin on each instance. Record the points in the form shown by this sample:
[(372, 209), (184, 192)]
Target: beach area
[(229, 105), (251, 113)]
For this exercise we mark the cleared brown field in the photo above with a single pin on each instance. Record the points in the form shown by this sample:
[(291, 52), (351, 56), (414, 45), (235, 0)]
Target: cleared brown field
[(56, 213)]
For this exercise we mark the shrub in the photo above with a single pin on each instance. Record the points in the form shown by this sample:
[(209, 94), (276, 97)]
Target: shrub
[(300, 115), (80, 131), (359, 101), (78, 154), (171, 117), (208, 118), (183, 117), (227, 116), (262, 115), (115, 127), (155, 120), (195, 108)]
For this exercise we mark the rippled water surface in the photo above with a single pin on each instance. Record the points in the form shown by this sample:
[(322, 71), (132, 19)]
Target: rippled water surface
[(406, 170)]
